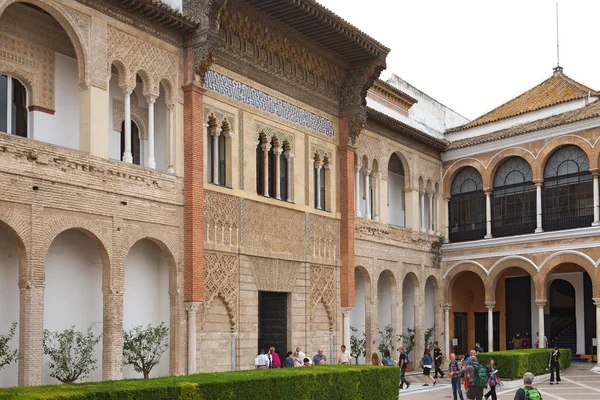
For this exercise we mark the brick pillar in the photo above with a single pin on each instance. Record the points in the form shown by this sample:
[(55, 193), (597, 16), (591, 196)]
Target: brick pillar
[(31, 337), (347, 212), (112, 336)]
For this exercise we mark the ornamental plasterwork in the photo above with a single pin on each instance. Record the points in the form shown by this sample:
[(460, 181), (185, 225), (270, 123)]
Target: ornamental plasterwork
[(426, 169), (370, 147), (271, 132), (33, 65), (134, 56), (248, 34), (222, 218), (139, 115), (323, 152), (221, 279), (274, 275), (324, 237), (322, 289), (220, 116)]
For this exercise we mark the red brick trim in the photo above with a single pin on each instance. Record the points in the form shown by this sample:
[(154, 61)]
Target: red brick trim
[(347, 212), (41, 109), (193, 209)]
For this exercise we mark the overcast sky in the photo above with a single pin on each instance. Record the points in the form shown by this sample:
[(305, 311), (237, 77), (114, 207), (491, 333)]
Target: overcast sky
[(473, 55)]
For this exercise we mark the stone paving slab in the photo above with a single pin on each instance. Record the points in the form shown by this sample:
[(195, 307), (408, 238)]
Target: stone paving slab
[(579, 382)]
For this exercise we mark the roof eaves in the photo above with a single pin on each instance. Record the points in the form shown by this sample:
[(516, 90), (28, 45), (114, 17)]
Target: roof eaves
[(170, 16), (439, 144)]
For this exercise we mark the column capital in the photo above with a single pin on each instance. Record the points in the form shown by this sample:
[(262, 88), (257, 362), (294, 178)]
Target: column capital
[(234, 335), (596, 302), (447, 307), (265, 147), (318, 164), (276, 150), (541, 303), (357, 168), (367, 172), (127, 89), (488, 191), (490, 305), (430, 194), (346, 311), (595, 172), (170, 106), (288, 154), (192, 307), (151, 98), (446, 197), (538, 182)]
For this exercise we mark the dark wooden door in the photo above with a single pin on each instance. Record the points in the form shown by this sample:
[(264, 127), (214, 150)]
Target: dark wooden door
[(272, 322)]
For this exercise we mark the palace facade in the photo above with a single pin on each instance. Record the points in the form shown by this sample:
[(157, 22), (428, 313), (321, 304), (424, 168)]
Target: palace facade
[(236, 170)]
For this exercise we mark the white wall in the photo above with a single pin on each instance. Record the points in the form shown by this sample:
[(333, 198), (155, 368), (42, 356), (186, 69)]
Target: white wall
[(160, 132), (575, 279), (146, 296), (9, 301), (362, 198), (73, 292), (62, 128), (408, 305), (357, 316), (396, 213), (384, 302)]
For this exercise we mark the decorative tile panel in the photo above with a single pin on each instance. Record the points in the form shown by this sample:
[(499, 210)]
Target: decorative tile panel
[(267, 103)]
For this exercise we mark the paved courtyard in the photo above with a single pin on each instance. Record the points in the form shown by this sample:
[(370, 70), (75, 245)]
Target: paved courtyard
[(578, 383)]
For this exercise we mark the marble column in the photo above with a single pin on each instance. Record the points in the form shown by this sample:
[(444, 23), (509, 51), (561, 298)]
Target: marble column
[(214, 134), (233, 347), (596, 201), (277, 152), (538, 207), (541, 304), (192, 309), (318, 166), (488, 214), (368, 195), (422, 195), (376, 182), (346, 324), (357, 191), (151, 163), (447, 219), (127, 91), (430, 224), (490, 307), (447, 338), (265, 148), (290, 159)]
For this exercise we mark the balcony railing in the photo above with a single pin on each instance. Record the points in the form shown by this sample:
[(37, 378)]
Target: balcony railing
[(514, 226), (467, 232), (568, 219)]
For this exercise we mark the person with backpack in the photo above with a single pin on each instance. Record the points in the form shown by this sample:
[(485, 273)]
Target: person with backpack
[(528, 392), (478, 379), (403, 364)]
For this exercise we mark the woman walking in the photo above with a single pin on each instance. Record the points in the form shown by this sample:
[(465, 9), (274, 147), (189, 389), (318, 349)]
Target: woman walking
[(375, 360), (427, 362), (491, 371)]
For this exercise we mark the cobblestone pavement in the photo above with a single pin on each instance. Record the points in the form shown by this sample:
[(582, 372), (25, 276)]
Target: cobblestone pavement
[(578, 383)]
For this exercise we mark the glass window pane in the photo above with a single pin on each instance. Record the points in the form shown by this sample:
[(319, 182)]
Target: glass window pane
[(19, 109)]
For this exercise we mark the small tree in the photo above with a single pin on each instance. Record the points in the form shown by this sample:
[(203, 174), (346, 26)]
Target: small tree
[(71, 353), (358, 344), (386, 339), (428, 335), (408, 340), (7, 355), (143, 348)]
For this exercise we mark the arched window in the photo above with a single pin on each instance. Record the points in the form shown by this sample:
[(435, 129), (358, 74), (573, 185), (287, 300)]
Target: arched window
[(283, 168), (13, 106), (272, 175), (513, 199), (319, 179), (467, 206), (135, 142), (568, 190), (260, 164), (217, 151)]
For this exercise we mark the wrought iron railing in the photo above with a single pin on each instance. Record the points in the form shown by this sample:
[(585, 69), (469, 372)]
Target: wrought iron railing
[(514, 226), (568, 219), (467, 232)]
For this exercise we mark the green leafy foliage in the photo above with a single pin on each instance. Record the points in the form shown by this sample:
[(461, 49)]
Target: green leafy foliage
[(71, 353), (386, 339), (512, 364), (350, 382), (428, 336), (408, 341), (358, 344), (7, 355), (143, 347)]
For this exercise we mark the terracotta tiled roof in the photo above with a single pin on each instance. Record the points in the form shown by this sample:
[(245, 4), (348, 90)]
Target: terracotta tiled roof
[(590, 111), (393, 123), (162, 13), (557, 89)]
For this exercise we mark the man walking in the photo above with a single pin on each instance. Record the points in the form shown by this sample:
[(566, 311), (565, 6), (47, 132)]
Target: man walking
[(554, 365), (478, 379), (403, 363), (437, 360), (454, 372), (528, 392)]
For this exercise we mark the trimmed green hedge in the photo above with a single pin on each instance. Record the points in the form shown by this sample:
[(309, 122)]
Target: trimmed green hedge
[(323, 382), (512, 364)]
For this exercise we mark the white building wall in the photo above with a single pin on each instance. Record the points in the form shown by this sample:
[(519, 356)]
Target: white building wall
[(429, 305), (396, 206), (9, 301), (146, 296), (62, 128), (384, 302), (408, 305), (73, 292)]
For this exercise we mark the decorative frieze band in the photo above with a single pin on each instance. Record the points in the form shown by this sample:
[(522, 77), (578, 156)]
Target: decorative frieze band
[(267, 103)]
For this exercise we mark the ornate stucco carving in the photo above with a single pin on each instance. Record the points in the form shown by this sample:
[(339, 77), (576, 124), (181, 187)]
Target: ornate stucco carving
[(222, 218), (33, 65), (274, 275), (281, 136), (98, 53), (322, 289), (153, 64), (221, 279), (138, 114), (324, 238)]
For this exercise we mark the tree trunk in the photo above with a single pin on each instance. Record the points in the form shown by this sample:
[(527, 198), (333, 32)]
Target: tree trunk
[(146, 375)]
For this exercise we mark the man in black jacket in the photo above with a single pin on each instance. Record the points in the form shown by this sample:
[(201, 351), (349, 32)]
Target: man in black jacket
[(437, 360), (553, 364)]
